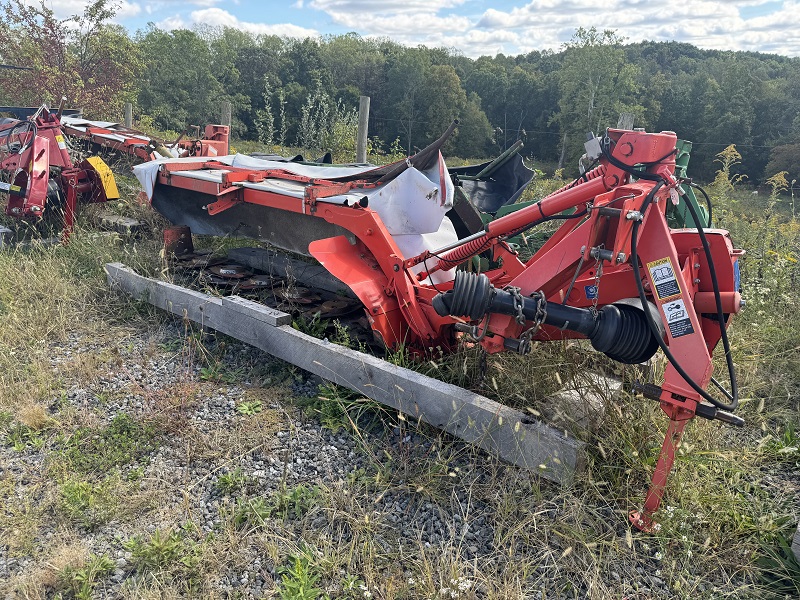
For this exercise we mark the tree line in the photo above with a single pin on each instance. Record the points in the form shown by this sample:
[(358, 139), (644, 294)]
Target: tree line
[(301, 92)]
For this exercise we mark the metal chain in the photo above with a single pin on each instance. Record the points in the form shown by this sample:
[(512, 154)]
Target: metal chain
[(526, 336), (519, 302)]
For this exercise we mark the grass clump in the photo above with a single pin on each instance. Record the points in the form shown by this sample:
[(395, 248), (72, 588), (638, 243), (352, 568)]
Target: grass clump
[(293, 502), (168, 555), (338, 408), (230, 483), (80, 582), (98, 450), (90, 504)]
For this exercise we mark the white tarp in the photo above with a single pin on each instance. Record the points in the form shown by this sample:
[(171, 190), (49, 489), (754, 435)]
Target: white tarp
[(82, 124)]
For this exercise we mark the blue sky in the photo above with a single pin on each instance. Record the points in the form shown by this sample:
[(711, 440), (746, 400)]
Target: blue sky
[(477, 27)]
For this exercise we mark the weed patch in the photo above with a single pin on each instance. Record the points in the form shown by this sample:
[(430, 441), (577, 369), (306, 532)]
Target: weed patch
[(167, 554), (285, 503), (233, 482), (80, 583), (91, 504), (299, 580), (124, 441)]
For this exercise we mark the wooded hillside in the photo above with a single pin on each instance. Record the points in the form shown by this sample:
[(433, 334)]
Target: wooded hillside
[(296, 92)]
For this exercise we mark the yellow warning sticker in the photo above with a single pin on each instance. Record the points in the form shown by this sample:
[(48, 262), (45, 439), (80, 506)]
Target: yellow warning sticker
[(60, 141), (664, 281)]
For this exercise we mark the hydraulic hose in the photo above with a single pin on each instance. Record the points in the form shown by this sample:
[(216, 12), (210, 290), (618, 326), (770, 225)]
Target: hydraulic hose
[(708, 202), (654, 330)]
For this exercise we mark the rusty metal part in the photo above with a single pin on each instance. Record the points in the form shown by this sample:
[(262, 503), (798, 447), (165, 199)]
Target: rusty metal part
[(259, 282), (178, 241), (330, 309), (296, 295), (209, 278), (230, 270), (195, 261)]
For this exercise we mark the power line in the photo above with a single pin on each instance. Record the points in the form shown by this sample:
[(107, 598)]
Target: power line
[(461, 126)]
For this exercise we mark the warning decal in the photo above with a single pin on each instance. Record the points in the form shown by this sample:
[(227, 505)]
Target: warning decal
[(677, 318), (663, 276), (61, 143), (7, 187)]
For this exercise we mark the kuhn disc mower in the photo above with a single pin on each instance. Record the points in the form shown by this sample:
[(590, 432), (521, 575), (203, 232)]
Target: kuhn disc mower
[(614, 273)]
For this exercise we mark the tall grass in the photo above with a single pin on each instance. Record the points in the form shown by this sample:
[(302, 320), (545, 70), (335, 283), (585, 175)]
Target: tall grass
[(731, 504)]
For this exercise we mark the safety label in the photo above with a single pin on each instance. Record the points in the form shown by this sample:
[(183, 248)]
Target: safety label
[(591, 292), (677, 318), (61, 143), (663, 276), (7, 187)]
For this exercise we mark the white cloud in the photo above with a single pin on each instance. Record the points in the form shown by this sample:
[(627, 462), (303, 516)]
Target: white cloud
[(67, 8), (217, 17), (548, 24), (405, 25), (127, 10), (482, 27), (366, 7), (172, 22), (157, 5), (711, 24)]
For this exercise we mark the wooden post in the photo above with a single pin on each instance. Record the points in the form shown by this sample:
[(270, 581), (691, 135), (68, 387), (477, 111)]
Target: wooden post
[(225, 119), (128, 115), (363, 129), (626, 121), (563, 152)]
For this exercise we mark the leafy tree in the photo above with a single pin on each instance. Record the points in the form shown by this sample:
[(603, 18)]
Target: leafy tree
[(596, 84), (407, 75), (94, 64), (785, 157), (474, 130), (314, 120), (179, 86), (264, 121), (355, 62), (489, 81), (445, 101), (257, 61)]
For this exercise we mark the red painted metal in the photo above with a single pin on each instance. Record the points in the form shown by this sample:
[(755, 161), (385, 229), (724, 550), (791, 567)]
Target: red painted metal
[(214, 143), (643, 520), (30, 150), (592, 249), (177, 241)]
